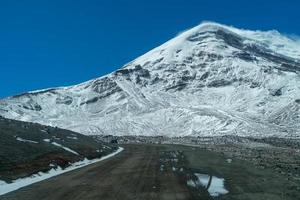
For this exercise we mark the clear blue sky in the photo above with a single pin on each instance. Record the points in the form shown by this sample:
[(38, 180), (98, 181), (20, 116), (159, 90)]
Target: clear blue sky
[(62, 42)]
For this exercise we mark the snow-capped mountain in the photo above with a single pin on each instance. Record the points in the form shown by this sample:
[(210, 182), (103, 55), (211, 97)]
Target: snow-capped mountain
[(209, 80)]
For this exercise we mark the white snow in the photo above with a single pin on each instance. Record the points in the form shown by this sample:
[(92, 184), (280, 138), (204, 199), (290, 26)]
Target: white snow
[(44, 131), (73, 137), (61, 146), (65, 148), (24, 140), (23, 182), (162, 167), (46, 140)]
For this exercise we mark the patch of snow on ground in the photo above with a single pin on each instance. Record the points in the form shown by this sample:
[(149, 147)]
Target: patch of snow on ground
[(73, 138), (24, 140), (23, 182), (162, 168), (106, 147), (61, 146), (65, 148)]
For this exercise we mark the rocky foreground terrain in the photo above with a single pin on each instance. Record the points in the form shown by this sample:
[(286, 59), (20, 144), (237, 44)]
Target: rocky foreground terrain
[(280, 154), (165, 172), (30, 148)]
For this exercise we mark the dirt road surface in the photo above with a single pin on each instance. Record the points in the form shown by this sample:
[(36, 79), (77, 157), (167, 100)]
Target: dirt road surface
[(143, 172)]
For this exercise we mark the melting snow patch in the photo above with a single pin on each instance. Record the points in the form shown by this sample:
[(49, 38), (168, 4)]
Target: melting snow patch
[(23, 182), (162, 168), (51, 165), (65, 148), (61, 146), (44, 131), (73, 138), (24, 140), (46, 140), (229, 160)]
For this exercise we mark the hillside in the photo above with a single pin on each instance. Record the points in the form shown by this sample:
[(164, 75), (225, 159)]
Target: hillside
[(29, 148)]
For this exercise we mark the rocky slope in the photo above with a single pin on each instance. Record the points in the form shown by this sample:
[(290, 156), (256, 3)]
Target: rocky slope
[(29, 148), (209, 80)]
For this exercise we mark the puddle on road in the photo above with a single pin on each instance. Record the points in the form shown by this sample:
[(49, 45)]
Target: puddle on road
[(214, 185), (173, 161)]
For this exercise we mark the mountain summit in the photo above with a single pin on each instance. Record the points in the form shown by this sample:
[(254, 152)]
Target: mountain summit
[(210, 80)]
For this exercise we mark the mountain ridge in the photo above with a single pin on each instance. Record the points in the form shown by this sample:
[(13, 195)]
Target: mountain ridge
[(210, 80)]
